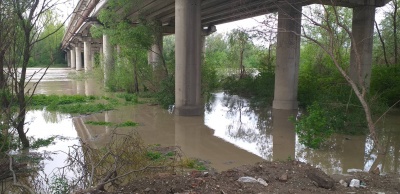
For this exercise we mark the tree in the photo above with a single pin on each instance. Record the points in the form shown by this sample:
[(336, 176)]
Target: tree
[(239, 41), (389, 34), (330, 22), (134, 38), (22, 22)]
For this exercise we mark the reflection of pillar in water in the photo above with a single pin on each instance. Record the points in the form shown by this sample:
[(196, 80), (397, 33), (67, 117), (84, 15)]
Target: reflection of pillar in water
[(186, 135), (352, 152), (284, 136), (73, 87), (80, 128), (107, 119), (89, 87), (80, 87)]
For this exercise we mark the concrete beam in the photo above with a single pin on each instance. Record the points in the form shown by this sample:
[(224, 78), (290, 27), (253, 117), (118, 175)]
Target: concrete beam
[(287, 57), (188, 58), (361, 47)]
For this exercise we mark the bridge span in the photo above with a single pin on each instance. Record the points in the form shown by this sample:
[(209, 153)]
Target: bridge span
[(192, 20)]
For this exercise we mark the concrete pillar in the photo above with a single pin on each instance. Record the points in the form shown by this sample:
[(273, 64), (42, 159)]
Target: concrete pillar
[(287, 57), (361, 48), (188, 58), (87, 52), (73, 58), (154, 55), (203, 48), (92, 57), (101, 57), (69, 58), (107, 58), (78, 56)]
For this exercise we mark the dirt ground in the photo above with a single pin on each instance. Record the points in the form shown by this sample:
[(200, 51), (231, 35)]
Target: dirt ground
[(281, 177)]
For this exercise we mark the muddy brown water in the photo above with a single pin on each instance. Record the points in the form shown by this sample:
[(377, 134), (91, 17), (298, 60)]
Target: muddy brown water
[(231, 132)]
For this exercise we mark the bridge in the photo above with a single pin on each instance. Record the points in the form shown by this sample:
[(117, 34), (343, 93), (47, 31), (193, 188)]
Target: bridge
[(192, 20)]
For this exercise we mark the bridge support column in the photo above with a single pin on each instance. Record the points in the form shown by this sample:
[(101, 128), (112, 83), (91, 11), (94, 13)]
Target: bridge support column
[(154, 55), (78, 56), (69, 58), (73, 58), (361, 48), (287, 57), (87, 53), (188, 58), (92, 57), (107, 58)]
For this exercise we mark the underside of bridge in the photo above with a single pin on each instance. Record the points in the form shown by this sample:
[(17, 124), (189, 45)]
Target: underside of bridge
[(191, 20)]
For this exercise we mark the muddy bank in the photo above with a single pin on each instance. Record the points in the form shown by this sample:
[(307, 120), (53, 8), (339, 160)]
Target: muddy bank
[(281, 177)]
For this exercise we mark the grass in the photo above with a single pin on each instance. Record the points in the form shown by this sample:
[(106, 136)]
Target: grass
[(73, 104), (193, 164), (103, 123), (128, 97), (127, 124)]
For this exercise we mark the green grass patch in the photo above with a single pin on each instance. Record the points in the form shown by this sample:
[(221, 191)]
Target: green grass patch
[(156, 155), (153, 155), (193, 164), (73, 104), (132, 98), (127, 124), (101, 123), (41, 100), (81, 108)]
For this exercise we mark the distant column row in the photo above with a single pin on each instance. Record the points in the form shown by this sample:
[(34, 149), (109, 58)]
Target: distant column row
[(76, 60)]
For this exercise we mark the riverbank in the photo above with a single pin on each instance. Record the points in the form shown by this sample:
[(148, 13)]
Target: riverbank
[(281, 177)]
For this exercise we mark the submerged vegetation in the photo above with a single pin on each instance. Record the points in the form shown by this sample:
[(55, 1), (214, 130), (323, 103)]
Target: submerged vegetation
[(73, 104), (104, 123)]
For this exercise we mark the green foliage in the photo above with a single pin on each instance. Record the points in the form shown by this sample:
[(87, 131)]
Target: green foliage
[(48, 51), (153, 155), (166, 95), (385, 83), (59, 185), (259, 87), (40, 142), (314, 129), (128, 97), (157, 156)]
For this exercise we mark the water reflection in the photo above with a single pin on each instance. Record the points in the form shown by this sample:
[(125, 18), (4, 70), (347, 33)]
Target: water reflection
[(269, 134), (232, 132), (284, 136)]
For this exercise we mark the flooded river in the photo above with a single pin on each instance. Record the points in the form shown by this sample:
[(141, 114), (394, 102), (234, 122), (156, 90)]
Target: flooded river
[(231, 132)]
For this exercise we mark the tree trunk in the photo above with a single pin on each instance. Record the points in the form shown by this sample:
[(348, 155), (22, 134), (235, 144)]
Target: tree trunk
[(383, 44), (395, 3), (241, 64)]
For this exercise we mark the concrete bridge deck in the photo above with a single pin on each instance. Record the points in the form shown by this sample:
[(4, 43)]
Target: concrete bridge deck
[(192, 20)]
